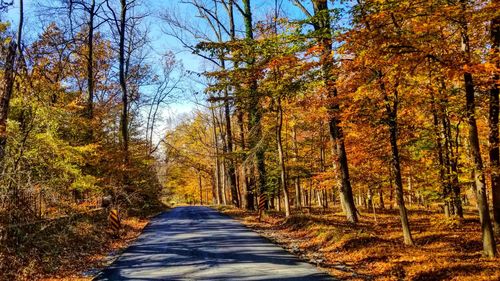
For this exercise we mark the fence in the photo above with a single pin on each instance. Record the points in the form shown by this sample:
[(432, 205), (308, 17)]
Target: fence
[(24, 207)]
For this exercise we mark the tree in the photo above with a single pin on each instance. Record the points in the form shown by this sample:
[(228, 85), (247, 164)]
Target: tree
[(322, 26), (92, 12), (489, 246), (254, 107), (9, 50), (391, 105), (494, 151)]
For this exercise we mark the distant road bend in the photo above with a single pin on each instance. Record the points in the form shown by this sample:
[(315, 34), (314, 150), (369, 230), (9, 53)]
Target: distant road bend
[(198, 243)]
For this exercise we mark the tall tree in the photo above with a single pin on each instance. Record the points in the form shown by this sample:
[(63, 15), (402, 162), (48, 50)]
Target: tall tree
[(123, 79), (494, 152), (391, 106), (281, 157), (322, 24), (254, 107), (489, 246)]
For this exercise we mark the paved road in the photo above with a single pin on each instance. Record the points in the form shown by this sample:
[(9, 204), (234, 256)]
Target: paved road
[(198, 243)]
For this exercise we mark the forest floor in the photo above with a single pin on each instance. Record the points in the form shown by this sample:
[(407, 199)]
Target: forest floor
[(73, 250), (446, 249)]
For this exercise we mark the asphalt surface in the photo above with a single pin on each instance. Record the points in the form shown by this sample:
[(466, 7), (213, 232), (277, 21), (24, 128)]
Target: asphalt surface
[(199, 243)]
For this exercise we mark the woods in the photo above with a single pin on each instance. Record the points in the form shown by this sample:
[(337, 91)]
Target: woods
[(365, 99), (299, 113)]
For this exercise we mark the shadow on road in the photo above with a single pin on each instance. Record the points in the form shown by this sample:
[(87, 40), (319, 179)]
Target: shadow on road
[(198, 243)]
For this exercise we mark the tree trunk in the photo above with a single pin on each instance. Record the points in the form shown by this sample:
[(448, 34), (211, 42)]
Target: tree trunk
[(325, 198), (281, 157), (255, 112), (392, 113), (298, 199), (369, 200), (218, 191), (223, 180), (214, 190), (391, 194), (123, 81), (6, 94), (298, 193), (8, 80), (454, 201), (439, 149), (200, 187), (489, 246), (410, 190), (345, 189), (381, 198), (229, 142), (247, 191), (321, 8), (90, 64), (493, 124)]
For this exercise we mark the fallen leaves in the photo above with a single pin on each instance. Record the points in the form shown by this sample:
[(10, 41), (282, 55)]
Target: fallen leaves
[(64, 251), (447, 249)]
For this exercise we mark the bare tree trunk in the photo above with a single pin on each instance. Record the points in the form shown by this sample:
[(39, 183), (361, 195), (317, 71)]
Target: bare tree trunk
[(229, 141), (439, 148), (391, 194), (391, 109), (214, 189), (247, 191), (281, 159), (6, 94), (228, 151), (410, 190), (218, 192), (90, 63), (369, 198), (381, 198), (493, 124), (298, 199), (489, 246), (223, 179), (123, 80), (200, 187)]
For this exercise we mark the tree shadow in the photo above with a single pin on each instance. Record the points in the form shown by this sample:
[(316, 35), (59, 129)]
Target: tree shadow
[(198, 243)]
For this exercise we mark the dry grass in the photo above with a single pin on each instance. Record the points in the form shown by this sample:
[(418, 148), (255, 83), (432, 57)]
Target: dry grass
[(63, 251), (446, 249)]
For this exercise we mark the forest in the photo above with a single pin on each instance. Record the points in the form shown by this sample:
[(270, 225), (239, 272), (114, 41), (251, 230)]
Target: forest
[(367, 128)]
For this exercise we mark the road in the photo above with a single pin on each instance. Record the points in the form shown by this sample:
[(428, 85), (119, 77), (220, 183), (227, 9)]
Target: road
[(199, 243)]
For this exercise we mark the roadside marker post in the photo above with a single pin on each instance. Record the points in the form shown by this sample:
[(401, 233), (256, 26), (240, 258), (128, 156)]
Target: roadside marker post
[(262, 204), (114, 221)]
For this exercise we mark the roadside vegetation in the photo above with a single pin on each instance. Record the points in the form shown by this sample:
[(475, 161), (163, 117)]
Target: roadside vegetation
[(447, 249), (69, 249)]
